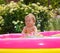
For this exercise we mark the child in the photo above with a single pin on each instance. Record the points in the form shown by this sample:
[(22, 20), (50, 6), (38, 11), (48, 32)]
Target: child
[(30, 27)]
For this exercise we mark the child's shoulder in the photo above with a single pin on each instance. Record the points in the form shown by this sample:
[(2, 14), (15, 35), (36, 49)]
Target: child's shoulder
[(25, 27), (35, 27)]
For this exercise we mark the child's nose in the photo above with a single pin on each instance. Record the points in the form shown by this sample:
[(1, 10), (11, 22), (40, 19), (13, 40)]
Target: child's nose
[(28, 22)]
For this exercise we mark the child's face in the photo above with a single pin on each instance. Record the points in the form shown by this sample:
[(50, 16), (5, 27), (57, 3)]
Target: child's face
[(29, 21)]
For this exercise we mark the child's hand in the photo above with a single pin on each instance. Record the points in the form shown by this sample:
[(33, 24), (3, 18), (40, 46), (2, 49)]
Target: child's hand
[(39, 35), (33, 35)]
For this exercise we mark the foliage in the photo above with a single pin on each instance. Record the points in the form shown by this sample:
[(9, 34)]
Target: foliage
[(13, 15)]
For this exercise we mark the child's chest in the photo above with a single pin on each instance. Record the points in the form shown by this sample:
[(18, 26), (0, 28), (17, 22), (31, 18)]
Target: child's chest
[(29, 30)]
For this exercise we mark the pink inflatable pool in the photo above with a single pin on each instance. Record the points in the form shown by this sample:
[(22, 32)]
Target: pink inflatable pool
[(15, 41)]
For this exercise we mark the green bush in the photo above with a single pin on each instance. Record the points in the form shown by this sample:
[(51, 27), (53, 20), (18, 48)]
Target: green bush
[(54, 23), (2, 1), (53, 3), (13, 15)]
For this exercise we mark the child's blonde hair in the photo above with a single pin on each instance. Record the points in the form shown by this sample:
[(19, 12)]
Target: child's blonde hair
[(32, 16)]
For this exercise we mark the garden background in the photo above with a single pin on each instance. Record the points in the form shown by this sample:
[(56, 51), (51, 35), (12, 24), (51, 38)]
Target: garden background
[(12, 14)]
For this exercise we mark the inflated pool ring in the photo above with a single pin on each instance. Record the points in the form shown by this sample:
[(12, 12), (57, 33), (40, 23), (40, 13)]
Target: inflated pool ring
[(12, 43)]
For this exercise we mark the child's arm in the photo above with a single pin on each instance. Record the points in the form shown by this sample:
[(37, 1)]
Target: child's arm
[(37, 33), (35, 29), (24, 30)]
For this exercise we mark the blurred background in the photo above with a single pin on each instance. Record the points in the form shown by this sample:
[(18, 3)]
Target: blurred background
[(13, 12)]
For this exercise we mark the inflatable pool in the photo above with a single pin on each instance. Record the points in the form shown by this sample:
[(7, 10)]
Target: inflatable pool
[(14, 43)]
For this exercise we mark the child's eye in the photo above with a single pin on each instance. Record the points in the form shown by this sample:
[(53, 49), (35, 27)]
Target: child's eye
[(27, 21)]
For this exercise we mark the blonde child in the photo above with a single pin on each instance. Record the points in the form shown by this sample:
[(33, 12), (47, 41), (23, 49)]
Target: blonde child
[(30, 27)]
